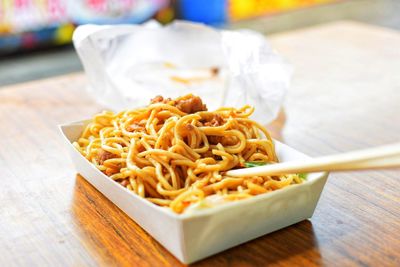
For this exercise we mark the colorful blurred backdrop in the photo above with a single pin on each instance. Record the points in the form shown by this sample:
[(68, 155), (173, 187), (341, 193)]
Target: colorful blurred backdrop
[(30, 24)]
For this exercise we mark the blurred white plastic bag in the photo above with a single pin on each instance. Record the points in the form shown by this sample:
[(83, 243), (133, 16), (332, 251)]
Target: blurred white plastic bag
[(127, 65)]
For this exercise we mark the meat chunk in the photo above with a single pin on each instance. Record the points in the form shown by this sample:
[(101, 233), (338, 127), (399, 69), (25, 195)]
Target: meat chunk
[(135, 127), (111, 171), (223, 140), (189, 127), (157, 99), (124, 182), (103, 155), (216, 120), (190, 104), (214, 71), (160, 99)]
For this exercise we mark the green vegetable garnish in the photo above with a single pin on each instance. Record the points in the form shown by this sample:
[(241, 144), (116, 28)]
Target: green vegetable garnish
[(250, 164), (303, 175)]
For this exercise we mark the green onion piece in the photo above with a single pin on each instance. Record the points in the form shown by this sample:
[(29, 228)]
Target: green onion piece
[(249, 164), (303, 175)]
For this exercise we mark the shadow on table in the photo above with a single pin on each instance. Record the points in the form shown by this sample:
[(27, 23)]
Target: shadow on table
[(111, 237)]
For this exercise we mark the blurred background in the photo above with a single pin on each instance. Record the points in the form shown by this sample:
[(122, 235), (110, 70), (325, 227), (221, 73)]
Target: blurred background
[(35, 35)]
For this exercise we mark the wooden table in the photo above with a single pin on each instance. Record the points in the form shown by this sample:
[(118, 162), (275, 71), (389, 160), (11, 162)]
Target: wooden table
[(345, 95)]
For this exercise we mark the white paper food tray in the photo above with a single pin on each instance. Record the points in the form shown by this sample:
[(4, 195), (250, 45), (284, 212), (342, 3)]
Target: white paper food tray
[(194, 236)]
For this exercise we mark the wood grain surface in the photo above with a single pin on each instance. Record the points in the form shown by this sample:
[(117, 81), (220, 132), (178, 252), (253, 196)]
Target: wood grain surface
[(345, 95)]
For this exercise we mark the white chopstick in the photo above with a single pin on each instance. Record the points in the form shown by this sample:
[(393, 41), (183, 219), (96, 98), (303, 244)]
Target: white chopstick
[(387, 156)]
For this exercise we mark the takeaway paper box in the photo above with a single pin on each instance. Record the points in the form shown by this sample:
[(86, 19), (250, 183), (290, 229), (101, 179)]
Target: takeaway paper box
[(193, 236)]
